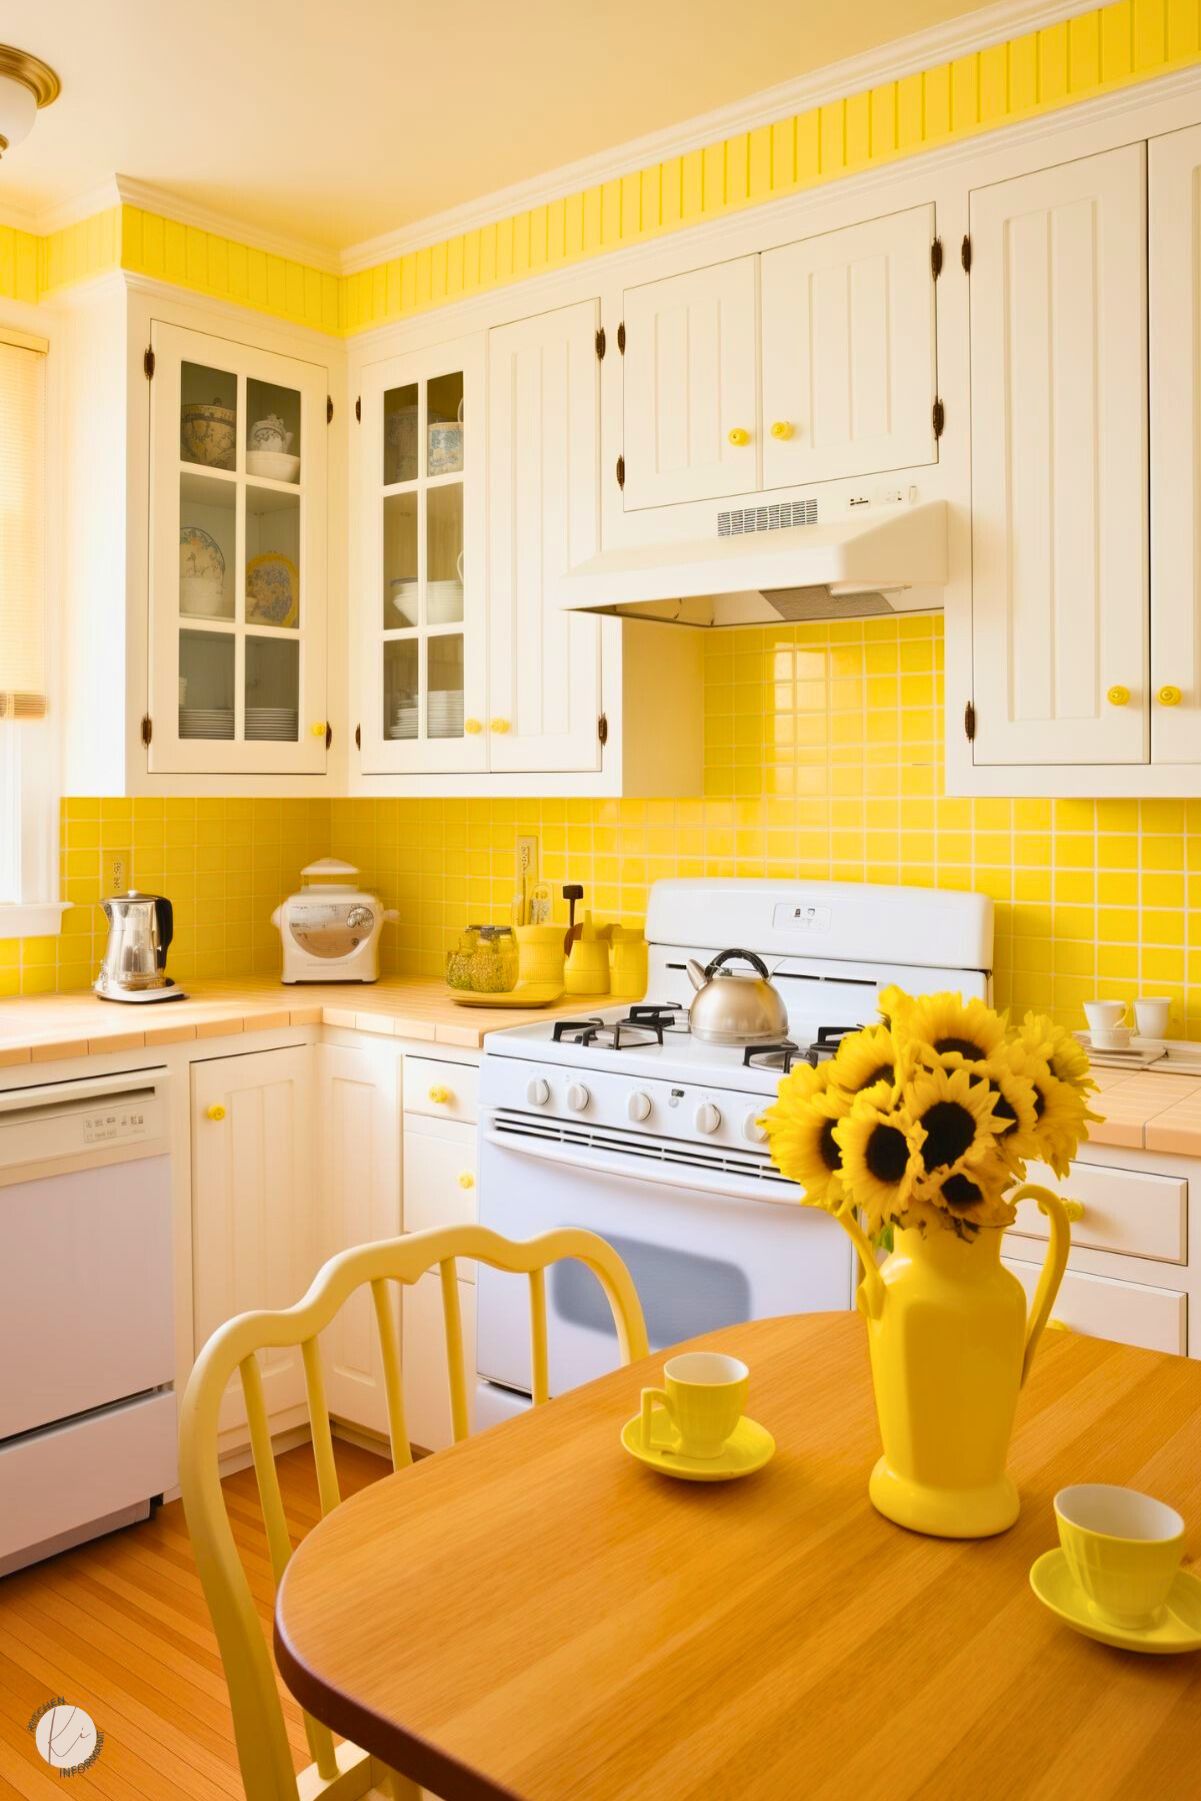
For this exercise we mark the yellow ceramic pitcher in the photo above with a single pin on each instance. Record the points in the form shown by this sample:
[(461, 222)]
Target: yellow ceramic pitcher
[(950, 1348)]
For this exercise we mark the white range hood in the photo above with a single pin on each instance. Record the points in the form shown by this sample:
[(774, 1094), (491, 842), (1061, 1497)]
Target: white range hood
[(878, 560)]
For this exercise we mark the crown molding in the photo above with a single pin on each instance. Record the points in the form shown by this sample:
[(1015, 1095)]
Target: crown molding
[(887, 62), (151, 199), (83, 206)]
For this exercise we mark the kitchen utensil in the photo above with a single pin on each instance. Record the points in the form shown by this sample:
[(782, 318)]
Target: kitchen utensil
[(1123, 1549), (541, 905), (526, 994), (746, 1450), (330, 930), (703, 1395), (140, 928), (539, 953), (572, 892), (587, 970), (272, 590), (273, 465), (1104, 1016), (1151, 1016), (1177, 1629), (206, 434), (735, 1006)]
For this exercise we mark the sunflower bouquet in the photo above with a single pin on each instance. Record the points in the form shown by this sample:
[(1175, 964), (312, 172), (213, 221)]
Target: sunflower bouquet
[(928, 1118)]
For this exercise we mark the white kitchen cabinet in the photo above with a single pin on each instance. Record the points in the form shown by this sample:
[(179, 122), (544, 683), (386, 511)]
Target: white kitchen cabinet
[(358, 1114), (237, 630), (254, 1238), (848, 351), (1059, 447), (690, 377), (421, 578), (440, 1177), (1174, 298), (427, 1385), (544, 503), (1104, 1307)]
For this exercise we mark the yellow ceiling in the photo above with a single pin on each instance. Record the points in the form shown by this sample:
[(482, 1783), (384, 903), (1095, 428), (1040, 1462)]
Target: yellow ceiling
[(333, 124)]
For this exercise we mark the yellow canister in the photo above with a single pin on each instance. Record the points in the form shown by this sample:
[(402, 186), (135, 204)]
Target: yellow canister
[(587, 970), (627, 962), (539, 953)]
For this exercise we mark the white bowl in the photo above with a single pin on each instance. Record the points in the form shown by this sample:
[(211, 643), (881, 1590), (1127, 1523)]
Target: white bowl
[(201, 595), (275, 465)]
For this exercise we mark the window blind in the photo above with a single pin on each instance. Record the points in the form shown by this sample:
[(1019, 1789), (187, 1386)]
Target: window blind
[(22, 527)]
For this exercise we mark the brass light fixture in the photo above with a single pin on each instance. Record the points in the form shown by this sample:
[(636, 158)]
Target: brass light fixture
[(26, 84)]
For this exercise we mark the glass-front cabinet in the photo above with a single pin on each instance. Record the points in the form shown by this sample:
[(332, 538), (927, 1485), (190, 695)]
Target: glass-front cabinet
[(237, 558), (420, 562)]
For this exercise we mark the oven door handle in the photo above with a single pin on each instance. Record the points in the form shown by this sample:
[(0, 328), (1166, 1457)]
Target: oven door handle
[(663, 1175)]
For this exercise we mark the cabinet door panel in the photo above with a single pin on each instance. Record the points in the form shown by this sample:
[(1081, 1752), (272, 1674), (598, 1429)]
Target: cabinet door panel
[(1103, 1307), (690, 377), (252, 1203), (440, 1178), (1059, 513), (543, 486), (358, 1161), (848, 351), (1174, 227)]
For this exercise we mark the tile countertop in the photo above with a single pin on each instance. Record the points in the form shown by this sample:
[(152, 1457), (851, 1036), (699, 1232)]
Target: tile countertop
[(1148, 1111), (44, 1028)]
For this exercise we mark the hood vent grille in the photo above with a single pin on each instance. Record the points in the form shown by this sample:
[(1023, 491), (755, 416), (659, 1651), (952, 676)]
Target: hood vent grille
[(774, 518)]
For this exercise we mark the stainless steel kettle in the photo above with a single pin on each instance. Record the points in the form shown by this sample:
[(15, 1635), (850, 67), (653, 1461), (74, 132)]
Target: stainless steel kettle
[(736, 1006), (140, 928)]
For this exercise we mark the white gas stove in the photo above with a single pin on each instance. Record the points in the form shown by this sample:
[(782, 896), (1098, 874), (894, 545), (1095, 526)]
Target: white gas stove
[(619, 1120)]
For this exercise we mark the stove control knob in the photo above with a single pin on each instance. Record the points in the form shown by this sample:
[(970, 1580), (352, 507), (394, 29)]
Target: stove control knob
[(752, 1129), (578, 1097), (707, 1117), (639, 1106), (538, 1093)]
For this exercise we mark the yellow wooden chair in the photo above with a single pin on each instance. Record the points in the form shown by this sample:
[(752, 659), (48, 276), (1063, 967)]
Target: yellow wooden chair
[(339, 1772)]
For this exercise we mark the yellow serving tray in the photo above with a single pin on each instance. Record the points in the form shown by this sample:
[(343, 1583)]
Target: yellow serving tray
[(533, 994)]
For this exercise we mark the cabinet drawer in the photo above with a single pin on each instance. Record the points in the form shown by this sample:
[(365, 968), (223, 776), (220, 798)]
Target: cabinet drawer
[(441, 1090), (426, 1382), (1125, 1210), (440, 1178), (1129, 1312)]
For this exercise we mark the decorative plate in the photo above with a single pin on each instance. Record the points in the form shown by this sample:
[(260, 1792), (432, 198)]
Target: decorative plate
[(272, 590), (200, 555)]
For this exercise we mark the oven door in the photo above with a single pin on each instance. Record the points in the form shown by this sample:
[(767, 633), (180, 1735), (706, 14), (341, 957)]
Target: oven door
[(703, 1249)]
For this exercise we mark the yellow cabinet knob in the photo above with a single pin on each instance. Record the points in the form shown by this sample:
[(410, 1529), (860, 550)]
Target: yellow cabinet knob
[(782, 429), (738, 436), (318, 728), (216, 1111), (466, 1180), (473, 726), (1170, 695), (440, 1096), (500, 725), (1118, 696)]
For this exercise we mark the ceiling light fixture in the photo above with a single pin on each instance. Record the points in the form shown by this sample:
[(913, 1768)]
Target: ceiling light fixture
[(26, 83)]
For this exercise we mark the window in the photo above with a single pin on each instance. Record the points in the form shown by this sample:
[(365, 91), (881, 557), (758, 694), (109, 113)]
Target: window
[(28, 802)]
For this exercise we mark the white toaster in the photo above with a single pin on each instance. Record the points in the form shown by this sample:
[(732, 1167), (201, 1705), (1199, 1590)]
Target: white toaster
[(330, 930)]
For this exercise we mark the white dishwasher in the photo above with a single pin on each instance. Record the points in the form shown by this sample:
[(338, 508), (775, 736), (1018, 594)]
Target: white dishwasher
[(87, 1406)]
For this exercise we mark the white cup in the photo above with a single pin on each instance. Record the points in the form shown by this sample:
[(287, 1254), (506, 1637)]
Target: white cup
[(1104, 1016), (1116, 1039), (1151, 1016)]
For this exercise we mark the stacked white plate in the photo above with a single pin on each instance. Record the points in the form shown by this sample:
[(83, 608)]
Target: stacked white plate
[(444, 712), (271, 722), (206, 722), (404, 721)]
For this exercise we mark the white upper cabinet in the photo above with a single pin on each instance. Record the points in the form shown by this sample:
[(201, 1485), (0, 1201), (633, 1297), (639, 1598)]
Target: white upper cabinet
[(1174, 179), (237, 642), (691, 386), (848, 351), (543, 493), (420, 577), (1059, 449)]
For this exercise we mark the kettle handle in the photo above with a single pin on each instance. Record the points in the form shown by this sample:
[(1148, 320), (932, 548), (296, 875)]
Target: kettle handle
[(755, 962), (1060, 1213), (164, 913)]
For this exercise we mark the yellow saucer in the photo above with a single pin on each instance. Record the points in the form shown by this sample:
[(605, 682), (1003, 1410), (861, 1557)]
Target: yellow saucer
[(534, 994), (747, 1449), (1178, 1630)]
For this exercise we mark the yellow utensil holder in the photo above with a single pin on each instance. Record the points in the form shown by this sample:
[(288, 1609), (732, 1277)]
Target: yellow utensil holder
[(539, 954), (587, 970)]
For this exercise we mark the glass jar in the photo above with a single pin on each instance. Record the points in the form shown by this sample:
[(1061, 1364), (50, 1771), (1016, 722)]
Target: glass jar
[(484, 962)]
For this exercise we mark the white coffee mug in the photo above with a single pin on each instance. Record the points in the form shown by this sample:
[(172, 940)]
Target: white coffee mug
[(1104, 1016), (1151, 1014), (1116, 1039)]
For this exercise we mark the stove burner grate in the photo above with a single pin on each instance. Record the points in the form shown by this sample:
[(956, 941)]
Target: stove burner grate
[(780, 1056)]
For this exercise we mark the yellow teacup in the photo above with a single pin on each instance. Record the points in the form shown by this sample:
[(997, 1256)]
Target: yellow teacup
[(1123, 1549), (704, 1395)]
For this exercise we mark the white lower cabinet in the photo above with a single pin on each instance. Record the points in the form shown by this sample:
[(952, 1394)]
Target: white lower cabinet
[(427, 1383), (254, 1230), (358, 1113), (1103, 1307)]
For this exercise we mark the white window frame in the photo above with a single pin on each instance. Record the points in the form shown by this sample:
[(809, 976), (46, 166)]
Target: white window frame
[(30, 766)]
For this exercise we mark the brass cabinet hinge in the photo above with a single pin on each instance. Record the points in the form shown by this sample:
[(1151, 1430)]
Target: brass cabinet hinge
[(936, 258), (621, 472), (938, 417), (621, 337), (602, 728), (329, 734), (329, 409), (147, 728), (969, 721), (358, 409), (148, 363), (600, 344), (965, 254)]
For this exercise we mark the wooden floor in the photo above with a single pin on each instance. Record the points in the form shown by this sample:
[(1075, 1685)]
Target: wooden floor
[(120, 1627)]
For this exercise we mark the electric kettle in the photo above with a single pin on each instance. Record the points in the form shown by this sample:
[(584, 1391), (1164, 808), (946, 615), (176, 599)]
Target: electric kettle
[(140, 928)]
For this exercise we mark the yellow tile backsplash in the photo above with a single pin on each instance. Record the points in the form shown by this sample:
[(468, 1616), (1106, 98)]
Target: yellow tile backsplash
[(823, 757)]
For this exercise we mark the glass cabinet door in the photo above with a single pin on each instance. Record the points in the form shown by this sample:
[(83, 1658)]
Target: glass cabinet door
[(421, 569), (237, 524)]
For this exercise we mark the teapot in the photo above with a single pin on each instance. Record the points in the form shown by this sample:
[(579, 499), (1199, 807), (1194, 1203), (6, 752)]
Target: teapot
[(270, 434)]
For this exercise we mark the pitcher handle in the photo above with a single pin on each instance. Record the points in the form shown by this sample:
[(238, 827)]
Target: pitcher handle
[(869, 1294), (1060, 1213)]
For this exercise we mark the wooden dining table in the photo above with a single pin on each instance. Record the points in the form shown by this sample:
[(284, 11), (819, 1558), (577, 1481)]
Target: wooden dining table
[(535, 1614)]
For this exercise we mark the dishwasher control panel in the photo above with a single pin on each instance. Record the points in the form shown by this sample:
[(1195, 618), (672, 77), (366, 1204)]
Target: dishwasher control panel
[(72, 1124), (111, 1125)]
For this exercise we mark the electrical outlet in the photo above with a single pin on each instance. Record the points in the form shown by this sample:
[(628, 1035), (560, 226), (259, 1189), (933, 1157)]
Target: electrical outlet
[(115, 874), (527, 861)]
